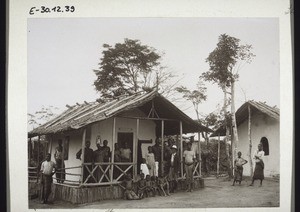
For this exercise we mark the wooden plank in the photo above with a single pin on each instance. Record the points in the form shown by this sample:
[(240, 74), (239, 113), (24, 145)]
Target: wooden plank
[(60, 117), (38, 157), (181, 148), (128, 103), (82, 153), (162, 147), (218, 164), (113, 149), (199, 155), (51, 143), (81, 111), (250, 141), (30, 149), (147, 118), (97, 109), (135, 149)]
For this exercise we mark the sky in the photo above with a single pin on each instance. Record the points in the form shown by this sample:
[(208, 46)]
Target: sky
[(63, 52)]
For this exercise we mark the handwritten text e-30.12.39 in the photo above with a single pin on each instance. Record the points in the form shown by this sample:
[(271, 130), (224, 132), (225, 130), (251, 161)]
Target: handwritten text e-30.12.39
[(56, 9)]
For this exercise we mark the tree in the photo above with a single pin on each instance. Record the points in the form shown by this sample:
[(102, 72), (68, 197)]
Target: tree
[(225, 61), (127, 68), (195, 96), (41, 116)]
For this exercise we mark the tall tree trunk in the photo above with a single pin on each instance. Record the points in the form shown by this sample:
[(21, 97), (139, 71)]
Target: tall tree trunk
[(228, 154), (218, 163), (250, 141), (205, 136), (227, 131), (235, 139)]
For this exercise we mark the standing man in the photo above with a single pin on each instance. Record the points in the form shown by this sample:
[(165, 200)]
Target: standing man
[(60, 164), (106, 152), (88, 158), (156, 149), (189, 158), (98, 158), (174, 169), (117, 158), (167, 156), (125, 153), (48, 168)]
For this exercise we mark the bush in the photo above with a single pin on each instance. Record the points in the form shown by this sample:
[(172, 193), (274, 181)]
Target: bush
[(209, 156)]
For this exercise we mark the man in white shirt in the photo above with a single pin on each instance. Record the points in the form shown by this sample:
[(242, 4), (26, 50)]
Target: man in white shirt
[(48, 168), (189, 159)]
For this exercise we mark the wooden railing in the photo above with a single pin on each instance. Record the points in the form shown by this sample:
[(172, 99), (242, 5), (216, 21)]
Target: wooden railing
[(33, 174), (65, 172), (94, 174), (105, 173), (196, 173)]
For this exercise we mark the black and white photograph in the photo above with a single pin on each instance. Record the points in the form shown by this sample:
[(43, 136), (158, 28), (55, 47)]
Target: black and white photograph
[(154, 113)]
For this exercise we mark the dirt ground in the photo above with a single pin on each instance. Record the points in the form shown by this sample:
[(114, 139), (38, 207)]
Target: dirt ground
[(216, 193)]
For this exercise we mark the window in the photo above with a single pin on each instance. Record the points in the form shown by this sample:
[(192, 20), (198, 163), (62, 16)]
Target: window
[(265, 143)]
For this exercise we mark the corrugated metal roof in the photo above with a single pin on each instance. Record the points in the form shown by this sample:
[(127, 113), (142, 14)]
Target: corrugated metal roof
[(80, 115), (242, 114)]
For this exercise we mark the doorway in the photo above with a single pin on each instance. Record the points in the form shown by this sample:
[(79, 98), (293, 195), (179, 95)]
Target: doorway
[(140, 152), (126, 137)]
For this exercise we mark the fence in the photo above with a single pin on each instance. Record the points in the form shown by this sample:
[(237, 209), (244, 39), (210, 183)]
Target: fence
[(96, 174)]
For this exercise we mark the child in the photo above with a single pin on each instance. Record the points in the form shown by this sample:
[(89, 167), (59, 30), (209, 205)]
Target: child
[(162, 184), (142, 186), (238, 168), (150, 160), (148, 185), (144, 168), (129, 193), (154, 185)]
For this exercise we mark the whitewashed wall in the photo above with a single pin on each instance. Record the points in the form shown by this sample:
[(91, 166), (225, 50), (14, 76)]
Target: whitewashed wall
[(104, 129), (261, 126)]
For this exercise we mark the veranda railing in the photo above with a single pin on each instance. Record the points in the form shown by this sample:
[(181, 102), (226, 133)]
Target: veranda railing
[(103, 173)]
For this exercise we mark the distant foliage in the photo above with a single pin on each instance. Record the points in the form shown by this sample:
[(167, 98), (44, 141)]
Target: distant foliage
[(196, 97), (209, 155), (41, 116)]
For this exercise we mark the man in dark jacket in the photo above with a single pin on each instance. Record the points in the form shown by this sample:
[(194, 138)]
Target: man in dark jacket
[(88, 158), (156, 149), (174, 169)]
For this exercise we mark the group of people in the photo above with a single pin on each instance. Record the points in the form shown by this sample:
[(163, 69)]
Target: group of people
[(146, 186), (49, 168), (102, 154), (259, 166), (152, 181)]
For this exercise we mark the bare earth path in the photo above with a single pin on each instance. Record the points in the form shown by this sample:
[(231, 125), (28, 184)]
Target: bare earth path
[(217, 193)]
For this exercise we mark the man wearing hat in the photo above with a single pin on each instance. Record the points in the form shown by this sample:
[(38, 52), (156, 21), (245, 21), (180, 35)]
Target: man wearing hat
[(174, 169)]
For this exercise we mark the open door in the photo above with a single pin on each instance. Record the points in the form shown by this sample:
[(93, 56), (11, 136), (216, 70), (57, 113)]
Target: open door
[(126, 137), (140, 153)]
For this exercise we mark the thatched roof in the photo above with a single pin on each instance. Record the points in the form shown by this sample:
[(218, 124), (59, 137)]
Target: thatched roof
[(81, 115), (242, 114)]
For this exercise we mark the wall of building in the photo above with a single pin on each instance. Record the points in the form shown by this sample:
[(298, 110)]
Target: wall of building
[(104, 130), (261, 126)]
